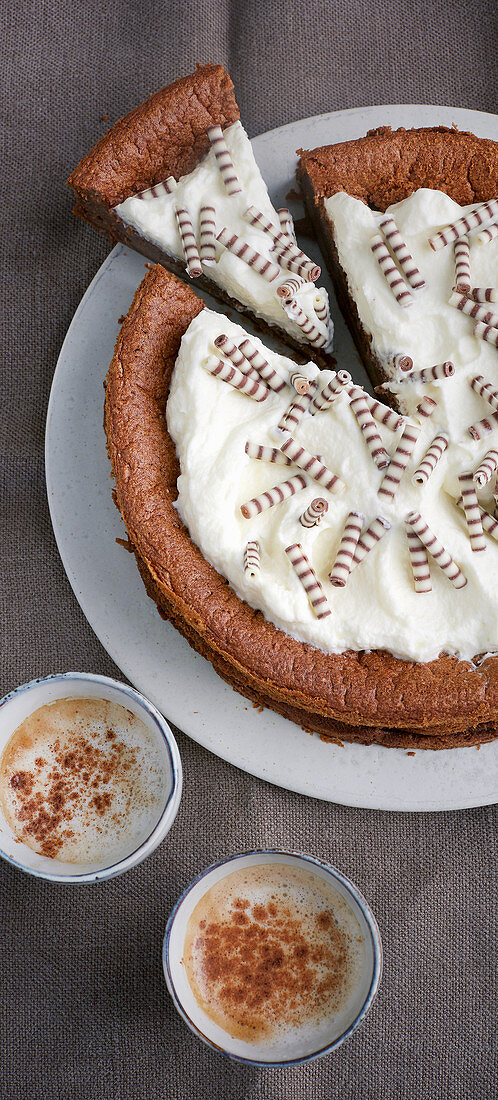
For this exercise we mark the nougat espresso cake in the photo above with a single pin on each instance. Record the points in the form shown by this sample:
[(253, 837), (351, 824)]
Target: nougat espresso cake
[(177, 180), (332, 553)]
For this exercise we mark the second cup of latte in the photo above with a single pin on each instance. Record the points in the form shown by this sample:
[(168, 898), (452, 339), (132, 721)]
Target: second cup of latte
[(272, 957), (90, 777)]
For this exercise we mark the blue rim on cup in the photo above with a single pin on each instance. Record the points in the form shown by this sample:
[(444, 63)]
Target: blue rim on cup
[(23, 701), (183, 998)]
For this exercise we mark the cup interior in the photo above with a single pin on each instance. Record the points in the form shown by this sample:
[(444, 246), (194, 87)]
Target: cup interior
[(293, 1048), (23, 702)]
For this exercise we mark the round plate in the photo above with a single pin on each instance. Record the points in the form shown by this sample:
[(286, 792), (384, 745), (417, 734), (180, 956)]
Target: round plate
[(106, 582)]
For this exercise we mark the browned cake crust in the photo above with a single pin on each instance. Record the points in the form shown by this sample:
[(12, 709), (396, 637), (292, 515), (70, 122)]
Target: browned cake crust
[(165, 136), (385, 167), (349, 696)]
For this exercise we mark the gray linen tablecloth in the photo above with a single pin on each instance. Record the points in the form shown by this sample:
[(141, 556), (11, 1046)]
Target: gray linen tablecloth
[(85, 1014)]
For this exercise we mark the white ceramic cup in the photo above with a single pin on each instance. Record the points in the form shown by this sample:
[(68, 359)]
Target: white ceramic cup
[(337, 1030), (22, 702)]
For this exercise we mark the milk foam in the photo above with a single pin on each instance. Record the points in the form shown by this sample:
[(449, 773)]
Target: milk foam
[(305, 896), (94, 769)]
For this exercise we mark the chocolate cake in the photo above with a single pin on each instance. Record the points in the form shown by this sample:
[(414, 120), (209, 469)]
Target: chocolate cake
[(383, 168), (160, 149), (370, 697)]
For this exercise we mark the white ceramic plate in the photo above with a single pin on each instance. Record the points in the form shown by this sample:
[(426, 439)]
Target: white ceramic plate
[(104, 577)]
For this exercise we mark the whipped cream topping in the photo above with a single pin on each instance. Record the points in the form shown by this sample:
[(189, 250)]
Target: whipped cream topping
[(430, 330), (154, 218), (378, 608)]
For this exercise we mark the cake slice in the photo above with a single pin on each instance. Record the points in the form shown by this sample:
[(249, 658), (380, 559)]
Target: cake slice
[(176, 179), (346, 186), (195, 448)]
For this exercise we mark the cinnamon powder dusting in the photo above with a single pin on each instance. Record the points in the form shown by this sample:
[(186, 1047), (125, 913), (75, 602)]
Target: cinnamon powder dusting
[(69, 782), (267, 959)]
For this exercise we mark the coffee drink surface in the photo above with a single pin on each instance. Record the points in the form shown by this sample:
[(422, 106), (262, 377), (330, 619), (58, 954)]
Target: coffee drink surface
[(273, 950), (81, 781)]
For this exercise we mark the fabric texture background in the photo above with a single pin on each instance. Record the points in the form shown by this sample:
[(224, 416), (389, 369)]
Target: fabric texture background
[(84, 1011)]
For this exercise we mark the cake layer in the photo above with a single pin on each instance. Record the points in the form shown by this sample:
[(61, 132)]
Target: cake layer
[(345, 695)]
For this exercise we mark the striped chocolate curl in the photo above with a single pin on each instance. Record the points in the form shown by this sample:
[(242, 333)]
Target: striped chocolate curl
[(483, 427), (309, 272), (402, 362), (335, 385), (314, 512), (488, 234), (189, 246), (495, 506), (297, 409), (321, 308), (300, 383), (438, 552), (309, 580), (245, 252), (419, 561), (382, 413), (399, 248), (427, 406), (341, 568), (391, 273), (487, 333), (287, 223), (484, 293), (462, 264), (243, 382), (312, 465), (207, 235), (426, 375), (431, 458), (481, 213), (307, 326), (223, 160), (252, 558), (489, 524), (288, 252), (157, 189), (485, 471), (232, 352), (485, 390), (273, 496), (368, 539), (266, 454), (261, 366), (473, 309), (368, 427), (288, 289), (399, 461), (471, 509)]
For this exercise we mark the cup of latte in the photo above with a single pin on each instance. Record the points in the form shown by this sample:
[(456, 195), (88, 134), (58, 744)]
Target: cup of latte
[(90, 777), (272, 958)]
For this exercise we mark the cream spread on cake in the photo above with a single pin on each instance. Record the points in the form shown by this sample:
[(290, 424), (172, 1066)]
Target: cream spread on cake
[(154, 218), (430, 331), (378, 608)]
